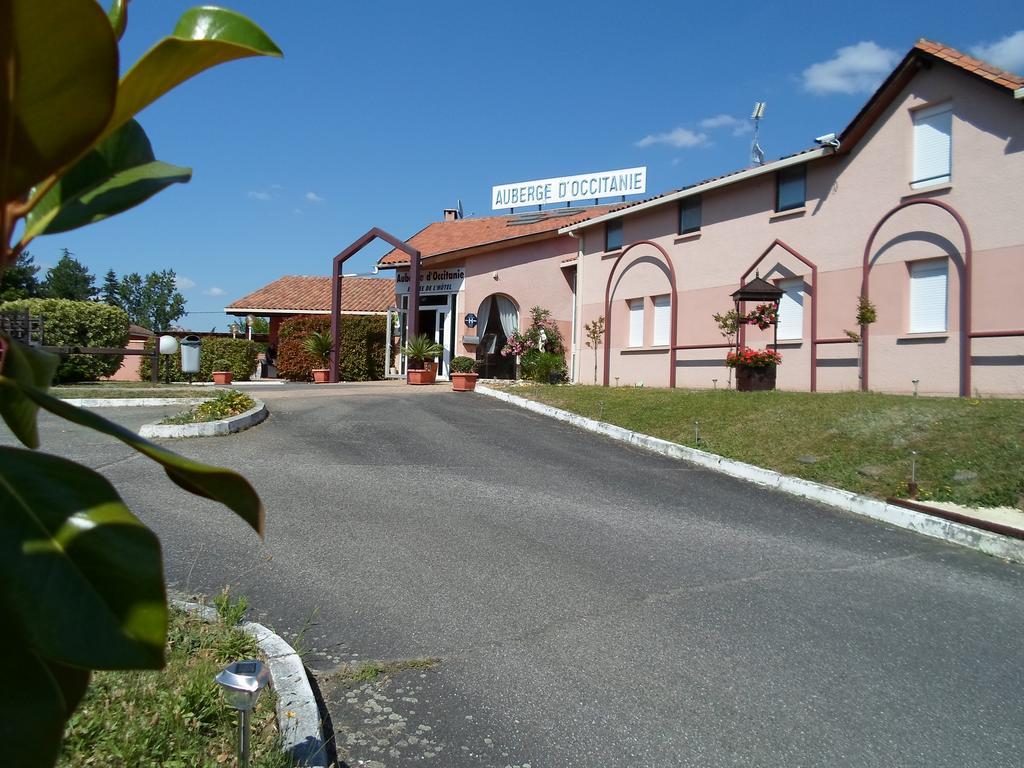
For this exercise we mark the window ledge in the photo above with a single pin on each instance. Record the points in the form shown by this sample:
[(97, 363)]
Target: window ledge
[(924, 338), (645, 350), (610, 254), (687, 237), (790, 343), (942, 186), (791, 213)]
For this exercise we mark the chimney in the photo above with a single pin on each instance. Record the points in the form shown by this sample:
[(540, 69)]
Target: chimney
[(451, 214)]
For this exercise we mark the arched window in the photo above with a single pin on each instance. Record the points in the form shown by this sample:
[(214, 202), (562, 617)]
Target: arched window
[(497, 320)]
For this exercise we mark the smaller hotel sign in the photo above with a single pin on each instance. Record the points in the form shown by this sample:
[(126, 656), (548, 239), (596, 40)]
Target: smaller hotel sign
[(442, 280), (564, 189)]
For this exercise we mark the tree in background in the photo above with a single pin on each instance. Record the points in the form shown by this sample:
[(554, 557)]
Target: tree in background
[(152, 301), (69, 279), (261, 325), (20, 281), (110, 292)]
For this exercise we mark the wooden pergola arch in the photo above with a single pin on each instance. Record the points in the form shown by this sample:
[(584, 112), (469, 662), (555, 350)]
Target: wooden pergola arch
[(965, 290), (673, 311), (413, 317)]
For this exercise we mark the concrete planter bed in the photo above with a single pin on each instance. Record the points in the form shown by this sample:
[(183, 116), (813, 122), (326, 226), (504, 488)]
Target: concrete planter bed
[(209, 428)]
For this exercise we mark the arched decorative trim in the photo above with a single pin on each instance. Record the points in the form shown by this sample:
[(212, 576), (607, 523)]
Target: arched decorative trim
[(965, 290), (674, 311), (814, 300)]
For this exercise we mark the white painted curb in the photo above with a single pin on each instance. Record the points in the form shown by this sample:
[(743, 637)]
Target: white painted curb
[(298, 717), (237, 423), (129, 402), (936, 527)]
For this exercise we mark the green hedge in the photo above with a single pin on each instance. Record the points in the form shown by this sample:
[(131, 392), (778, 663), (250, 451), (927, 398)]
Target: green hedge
[(69, 323), (361, 355), (241, 353)]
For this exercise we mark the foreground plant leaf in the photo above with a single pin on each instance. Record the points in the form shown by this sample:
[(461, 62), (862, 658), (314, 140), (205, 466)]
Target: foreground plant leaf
[(30, 368), (60, 65), (203, 38), (119, 173), (68, 542), (223, 485), (118, 15)]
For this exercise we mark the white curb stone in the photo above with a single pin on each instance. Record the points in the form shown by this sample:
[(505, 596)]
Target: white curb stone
[(298, 717), (237, 423), (901, 517)]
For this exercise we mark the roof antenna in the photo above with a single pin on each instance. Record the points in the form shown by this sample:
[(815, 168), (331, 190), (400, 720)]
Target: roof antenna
[(460, 208), (756, 153)]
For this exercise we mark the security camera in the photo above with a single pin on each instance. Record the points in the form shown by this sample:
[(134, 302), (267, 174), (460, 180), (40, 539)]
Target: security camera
[(828, 140)]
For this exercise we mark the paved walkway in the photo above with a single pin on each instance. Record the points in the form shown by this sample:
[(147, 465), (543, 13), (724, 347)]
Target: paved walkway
[(590, 604)]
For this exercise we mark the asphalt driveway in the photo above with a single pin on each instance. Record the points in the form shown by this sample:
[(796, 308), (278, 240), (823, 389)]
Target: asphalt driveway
[(589, 604)]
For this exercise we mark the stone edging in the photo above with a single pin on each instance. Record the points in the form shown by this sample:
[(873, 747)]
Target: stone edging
[(901, 517), (237, 423), (128, 402), (298, 717)]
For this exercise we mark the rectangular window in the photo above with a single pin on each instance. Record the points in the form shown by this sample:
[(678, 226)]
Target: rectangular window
[(636, 322), (613, 235), (933, 145), (791, 188), (928, 286), (689, 215), (662, 320), (791, 309)]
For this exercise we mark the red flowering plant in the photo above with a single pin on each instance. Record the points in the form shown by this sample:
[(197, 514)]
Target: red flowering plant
[(753, 358), (762, 316)]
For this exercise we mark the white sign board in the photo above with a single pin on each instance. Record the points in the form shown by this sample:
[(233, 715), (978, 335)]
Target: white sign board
[(440, 280), (586, 186)]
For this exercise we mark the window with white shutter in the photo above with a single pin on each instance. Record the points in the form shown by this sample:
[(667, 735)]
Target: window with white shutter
[(636, 322), (928, 287), (791, 309), (933, 145), (662, 320)]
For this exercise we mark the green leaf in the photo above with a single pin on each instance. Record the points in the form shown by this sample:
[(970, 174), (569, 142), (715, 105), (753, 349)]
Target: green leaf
[(83, 579), (30, 368), (216, 483), (32, 722), (203, 38), (119, 173), (63, 65), (118, 15)]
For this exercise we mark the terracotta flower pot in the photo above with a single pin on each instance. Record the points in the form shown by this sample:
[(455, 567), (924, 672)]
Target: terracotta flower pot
[(321, 375), (463, 382), (222, 377), (755, 379)]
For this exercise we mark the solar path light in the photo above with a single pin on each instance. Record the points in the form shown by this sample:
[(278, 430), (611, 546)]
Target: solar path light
[(242, 683)]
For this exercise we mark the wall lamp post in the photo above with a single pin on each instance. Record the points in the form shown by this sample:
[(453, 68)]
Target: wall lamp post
[(242, 682)]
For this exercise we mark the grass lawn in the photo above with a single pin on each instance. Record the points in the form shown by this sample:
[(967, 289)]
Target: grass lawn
[(176, 717), (858, 441), (126, 389)]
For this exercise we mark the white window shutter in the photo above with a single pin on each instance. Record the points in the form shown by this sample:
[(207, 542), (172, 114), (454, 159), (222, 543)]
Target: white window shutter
[(662, 320), (933, 145), (636, 322), (791, 309), (928, 288)]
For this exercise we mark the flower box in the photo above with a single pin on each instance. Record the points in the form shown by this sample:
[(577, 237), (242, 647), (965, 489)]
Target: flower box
[(425, 375), (751, 378), (463, 382)]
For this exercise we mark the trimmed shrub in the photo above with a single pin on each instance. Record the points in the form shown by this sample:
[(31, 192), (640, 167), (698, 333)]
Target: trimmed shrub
[(538, 366), (239, 353), (360, 355), (69, 323)]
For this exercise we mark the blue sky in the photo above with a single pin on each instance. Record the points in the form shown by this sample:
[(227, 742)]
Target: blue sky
[(384, 113)]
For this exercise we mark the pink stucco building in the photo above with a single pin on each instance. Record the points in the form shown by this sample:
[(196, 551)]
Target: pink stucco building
[(916, 205)]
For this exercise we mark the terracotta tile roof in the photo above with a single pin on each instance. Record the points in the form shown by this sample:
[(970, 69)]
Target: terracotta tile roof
[(304, 293), (442, 237), (974, 66)]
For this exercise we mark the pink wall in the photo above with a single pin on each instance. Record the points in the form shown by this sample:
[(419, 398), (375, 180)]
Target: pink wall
[(846, 196), (129, 370)]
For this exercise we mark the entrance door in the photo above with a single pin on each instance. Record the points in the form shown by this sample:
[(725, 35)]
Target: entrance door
[(435, 323)]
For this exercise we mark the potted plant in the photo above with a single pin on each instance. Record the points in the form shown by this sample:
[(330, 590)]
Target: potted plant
[(420, 352), (319, 346), (755, 368), (222, 373), (463, 374)]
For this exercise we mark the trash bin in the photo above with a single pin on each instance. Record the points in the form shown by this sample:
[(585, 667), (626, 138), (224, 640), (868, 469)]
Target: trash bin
[(190, 354)]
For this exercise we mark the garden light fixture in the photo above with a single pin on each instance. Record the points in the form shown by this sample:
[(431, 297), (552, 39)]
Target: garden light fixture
[(168, 345), (242, 682)]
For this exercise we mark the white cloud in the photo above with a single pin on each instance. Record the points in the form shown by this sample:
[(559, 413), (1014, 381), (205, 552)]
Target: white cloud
[(1007, 53), (313, 197), (739, 127), (215, 291), (679, 137), (255, 194), (183, 283), (854, 69)]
